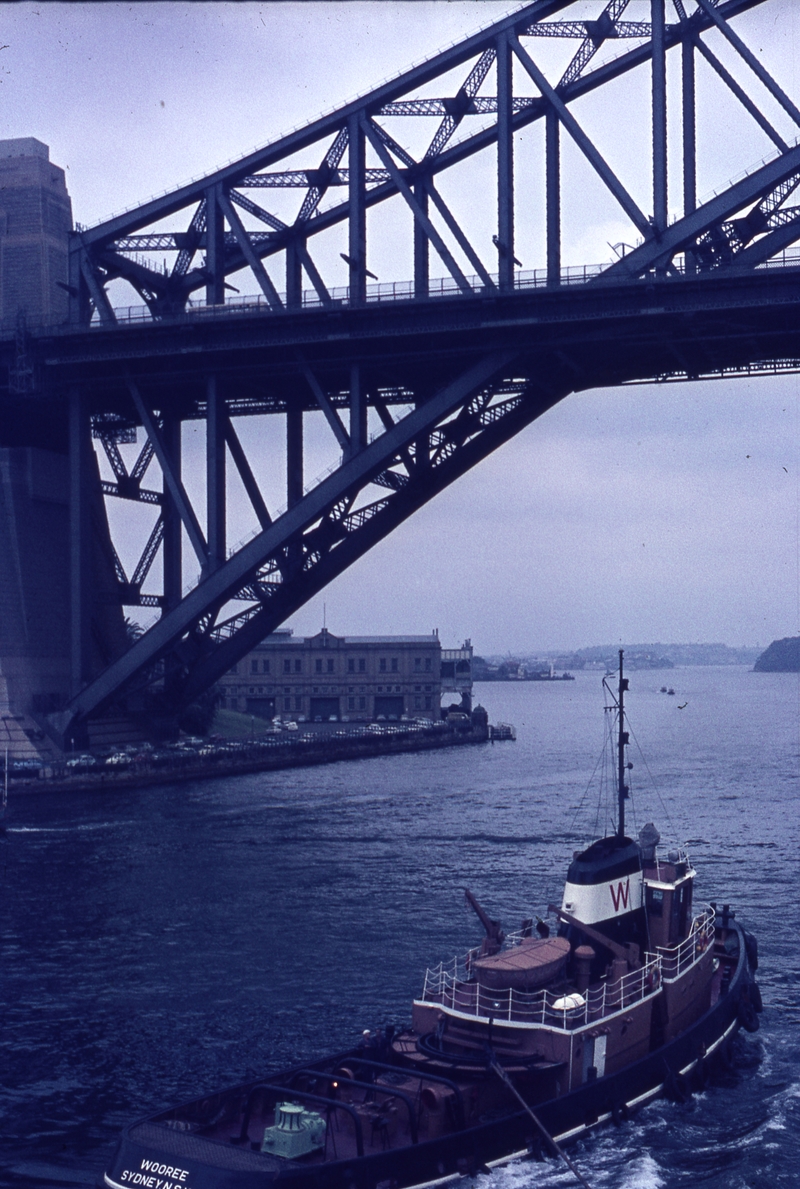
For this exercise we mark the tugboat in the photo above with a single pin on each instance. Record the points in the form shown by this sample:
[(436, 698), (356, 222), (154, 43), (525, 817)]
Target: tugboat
[(514, 1050)]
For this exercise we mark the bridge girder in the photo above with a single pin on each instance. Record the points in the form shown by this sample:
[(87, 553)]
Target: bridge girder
[(501, 378), (477, 355)]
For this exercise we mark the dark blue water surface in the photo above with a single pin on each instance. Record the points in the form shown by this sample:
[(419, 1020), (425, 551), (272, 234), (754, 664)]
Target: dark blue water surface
[(158, 943)]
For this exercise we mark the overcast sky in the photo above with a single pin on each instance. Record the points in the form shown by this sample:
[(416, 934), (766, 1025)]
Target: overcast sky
[(651, 513)]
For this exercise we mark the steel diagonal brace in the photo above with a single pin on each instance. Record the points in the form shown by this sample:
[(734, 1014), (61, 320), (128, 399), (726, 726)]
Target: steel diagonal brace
[(142, 462), (97, 292), (589, 151), (767, 246), (685, 231), (749, 57), (331, 416), (458, 107), (174, 485), (441, 206), (115, 458), (243, 240), (320, 179), (190, 241), (423, 220), (739, 92), (246, 475), (458, 234), (276, 224), (595, 33), (149, 553), (223, 583)]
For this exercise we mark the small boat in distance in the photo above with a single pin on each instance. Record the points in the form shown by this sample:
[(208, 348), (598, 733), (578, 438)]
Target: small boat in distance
[(547, 675), (514, 1049)]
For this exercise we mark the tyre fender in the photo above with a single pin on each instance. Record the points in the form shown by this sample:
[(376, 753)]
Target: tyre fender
[(751, 949), (748, 1017)]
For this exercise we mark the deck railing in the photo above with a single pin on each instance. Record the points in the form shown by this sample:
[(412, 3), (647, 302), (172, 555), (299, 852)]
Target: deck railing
[(453, 986), (398, 291), (677, 960)]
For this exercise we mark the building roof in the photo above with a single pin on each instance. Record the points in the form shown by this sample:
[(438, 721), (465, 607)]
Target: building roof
[(286, 641), (390, 639)]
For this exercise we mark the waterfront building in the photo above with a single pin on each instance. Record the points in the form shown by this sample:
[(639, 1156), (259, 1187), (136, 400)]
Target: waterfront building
[(346, 678)]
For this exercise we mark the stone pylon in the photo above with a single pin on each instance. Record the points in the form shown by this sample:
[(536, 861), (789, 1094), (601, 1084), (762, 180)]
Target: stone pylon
[(38, 670)]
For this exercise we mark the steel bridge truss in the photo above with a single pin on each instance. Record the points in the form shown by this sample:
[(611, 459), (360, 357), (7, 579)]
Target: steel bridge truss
[(351, 163)]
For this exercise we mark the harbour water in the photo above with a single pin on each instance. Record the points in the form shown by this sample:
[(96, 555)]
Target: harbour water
[(159, 942)]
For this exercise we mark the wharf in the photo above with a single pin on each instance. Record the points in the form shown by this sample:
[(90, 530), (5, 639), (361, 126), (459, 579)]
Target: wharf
[(274, 752)]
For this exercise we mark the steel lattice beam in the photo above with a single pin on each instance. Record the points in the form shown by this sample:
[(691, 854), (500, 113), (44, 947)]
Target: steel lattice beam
[(477, 356)]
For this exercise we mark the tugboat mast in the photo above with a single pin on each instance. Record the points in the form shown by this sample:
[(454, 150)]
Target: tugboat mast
[(622, 739)]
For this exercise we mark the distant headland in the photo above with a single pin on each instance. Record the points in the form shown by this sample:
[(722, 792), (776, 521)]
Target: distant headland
[(782, 656)]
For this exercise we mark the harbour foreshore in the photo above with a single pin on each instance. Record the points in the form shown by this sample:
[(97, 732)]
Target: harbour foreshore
[(285, 751)]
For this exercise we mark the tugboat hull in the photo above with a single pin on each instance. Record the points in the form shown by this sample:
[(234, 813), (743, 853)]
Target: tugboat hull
[(159, 1154)]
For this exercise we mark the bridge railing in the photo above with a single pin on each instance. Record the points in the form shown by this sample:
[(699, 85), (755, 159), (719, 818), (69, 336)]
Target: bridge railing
[(394, 291), (382, 291)]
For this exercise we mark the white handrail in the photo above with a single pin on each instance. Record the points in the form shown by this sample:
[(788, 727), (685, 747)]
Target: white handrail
[(452, 985)]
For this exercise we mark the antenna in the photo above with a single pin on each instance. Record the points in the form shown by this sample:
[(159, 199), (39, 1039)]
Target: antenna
[(622, 740)]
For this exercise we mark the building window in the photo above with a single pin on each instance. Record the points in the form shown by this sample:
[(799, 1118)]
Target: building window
[(298, 666), (351, 665), (417, 663), (287, 666), (418, 703), (394, 664), (287, 689), (265, 666), (330, 666), (254, 666), (417, 689), (428, 664), (318, 665), (382, 664), (287, 703), (362, 703), (428, 703), (362, 665), (351, 703), (315, 689), (427, 689), (298, 703)]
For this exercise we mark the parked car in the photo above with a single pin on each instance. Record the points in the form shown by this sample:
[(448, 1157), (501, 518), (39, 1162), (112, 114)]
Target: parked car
[(119, 759), (82, 763)]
